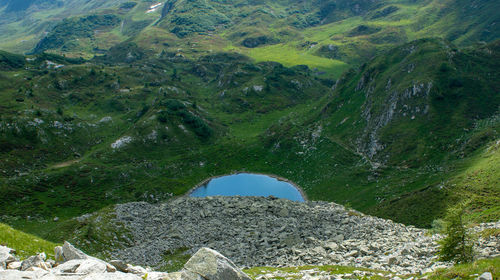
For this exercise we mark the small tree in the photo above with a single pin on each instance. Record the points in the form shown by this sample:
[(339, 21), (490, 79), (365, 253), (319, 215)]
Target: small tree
[(457, 246)]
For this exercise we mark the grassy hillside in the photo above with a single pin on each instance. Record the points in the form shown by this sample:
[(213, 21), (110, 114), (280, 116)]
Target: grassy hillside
[(26, 245), (328, 36), (417, 118), (79, 137)]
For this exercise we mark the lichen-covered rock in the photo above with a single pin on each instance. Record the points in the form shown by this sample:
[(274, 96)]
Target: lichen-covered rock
[(59, 254), (6, 256), (212, 265), (68, 267), (119, 264), (89, 266), (137, 270), (72, 253), (35, 261)]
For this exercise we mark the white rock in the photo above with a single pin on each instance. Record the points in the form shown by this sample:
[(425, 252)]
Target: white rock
[(137, 270), (211, 265), (38, 270), (258, 88), (21, 275), (120, 265), (331, 246), (158, 275), (72, 253), (68, 267), (106, 119), (6, 256), (121, 142), (486, 276), (111, 276), (14, 265), (91, 266), (182, 275)]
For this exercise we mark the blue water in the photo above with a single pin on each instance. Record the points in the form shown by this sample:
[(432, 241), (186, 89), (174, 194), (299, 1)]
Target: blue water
[(245, 184)]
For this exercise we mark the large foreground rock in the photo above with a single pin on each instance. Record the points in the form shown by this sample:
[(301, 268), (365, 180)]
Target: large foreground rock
[(211, 265), (6, 256), (90, 265), (69, 252), (206, 264)]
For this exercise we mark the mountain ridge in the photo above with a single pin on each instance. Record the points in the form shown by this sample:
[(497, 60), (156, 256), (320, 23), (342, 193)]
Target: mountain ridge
[(328, 35)]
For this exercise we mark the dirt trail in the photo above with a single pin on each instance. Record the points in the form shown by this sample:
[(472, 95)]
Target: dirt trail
[(65, 164)]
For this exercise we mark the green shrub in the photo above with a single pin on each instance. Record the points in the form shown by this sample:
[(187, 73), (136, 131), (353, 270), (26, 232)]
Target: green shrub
[(173, 104), (457, 246), (162, 117)]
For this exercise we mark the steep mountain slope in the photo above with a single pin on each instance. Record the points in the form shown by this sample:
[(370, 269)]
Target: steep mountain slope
[(424, 86), (420, 115), (24, 23)]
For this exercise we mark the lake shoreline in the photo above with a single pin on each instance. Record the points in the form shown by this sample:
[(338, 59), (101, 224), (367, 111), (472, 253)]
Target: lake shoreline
[(279, 178)]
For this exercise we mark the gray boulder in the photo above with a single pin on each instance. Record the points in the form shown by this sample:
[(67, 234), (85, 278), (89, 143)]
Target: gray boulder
[(137, 270), (211, 265), (91, 266), (68, 267), (119, 264), (83, 267), (69, 252), (35, 261)]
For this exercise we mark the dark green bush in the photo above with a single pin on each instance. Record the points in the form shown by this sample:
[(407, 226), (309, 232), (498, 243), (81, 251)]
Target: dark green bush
[(173, 104), (457, 245), (162, 116)]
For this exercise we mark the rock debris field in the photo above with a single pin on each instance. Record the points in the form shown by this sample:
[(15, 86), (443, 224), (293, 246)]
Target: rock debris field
[(257, 231), (72, 264)]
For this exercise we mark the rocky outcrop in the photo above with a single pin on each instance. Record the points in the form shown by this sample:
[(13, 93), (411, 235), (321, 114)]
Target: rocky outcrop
[(255, 231), (37, 261), (206, 264), (212, 265)]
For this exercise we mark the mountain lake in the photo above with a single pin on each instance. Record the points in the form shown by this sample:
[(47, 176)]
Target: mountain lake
[(247, 184)]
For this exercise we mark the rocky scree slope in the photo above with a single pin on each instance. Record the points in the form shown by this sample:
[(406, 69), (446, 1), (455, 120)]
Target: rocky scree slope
[(256, 231)]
